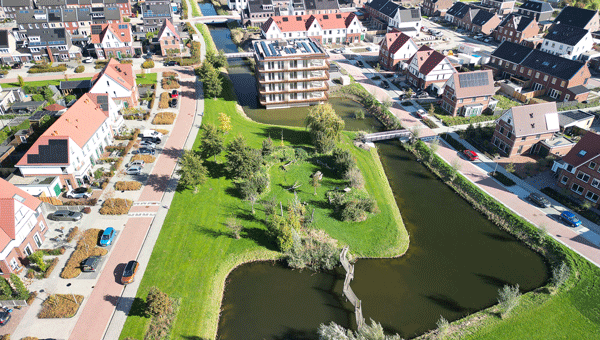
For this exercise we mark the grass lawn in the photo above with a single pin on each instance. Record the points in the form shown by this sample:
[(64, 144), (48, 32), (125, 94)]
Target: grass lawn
[(505, 103), (210, 44), (40, 83), (148, 78), (194, 252), (449, 120)]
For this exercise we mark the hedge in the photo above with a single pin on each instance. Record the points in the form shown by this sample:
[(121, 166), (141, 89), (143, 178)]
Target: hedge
[(164, 118), (116, 206), (80, 69), (51, 267), (128, 185), (43, 68), (502, 178), (453, 142)]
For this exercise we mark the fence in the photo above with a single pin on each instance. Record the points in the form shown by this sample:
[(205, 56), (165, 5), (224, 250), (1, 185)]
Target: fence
[(13, 303), (49, 208), (360, 320)]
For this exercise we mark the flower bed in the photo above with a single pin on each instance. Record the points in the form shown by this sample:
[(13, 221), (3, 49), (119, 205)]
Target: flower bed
[(128, 185), (164, 118), (168, 74), (85, 248), (60, 306), (43, 68), (165, 97), (169, 84), (115, 206), (145, 158)]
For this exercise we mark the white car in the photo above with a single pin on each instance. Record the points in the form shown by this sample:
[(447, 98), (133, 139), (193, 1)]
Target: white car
[(147, 144), (88, 60), (138, 163), (81, 192), (134, 170), (479, 36)]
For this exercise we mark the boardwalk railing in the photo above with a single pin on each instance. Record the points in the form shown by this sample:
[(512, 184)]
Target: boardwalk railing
[(360, 320), (394, 134), (239, 55)]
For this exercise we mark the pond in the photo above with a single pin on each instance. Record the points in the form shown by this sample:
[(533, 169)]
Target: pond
[(456, 262), (207, 9)]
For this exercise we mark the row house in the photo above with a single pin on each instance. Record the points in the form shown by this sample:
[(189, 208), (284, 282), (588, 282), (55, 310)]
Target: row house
[(76, 21), (436, 8), (396, 47), (303, 7), (468, 94), (472, 18), (325, 28), (428, 67), (155, 14), (112, 40), (407, 20), (484, 22), (540, 10), (500, 7), (521, 129), (123, 5), (516, 28), (10, 8), (567, 41), (258, 11), (118, 81), (51, 43), (547, 74), (579, 170), (169, 40), (579, 17), (9, 53), (458, 12), (22, 227), (291, 72), (71, 146)]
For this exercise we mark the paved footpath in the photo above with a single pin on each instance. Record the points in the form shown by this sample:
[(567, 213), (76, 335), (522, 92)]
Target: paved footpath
[(100, 306)]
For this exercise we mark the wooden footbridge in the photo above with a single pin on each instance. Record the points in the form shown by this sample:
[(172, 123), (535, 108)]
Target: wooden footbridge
[(403, 134), (360, 320)]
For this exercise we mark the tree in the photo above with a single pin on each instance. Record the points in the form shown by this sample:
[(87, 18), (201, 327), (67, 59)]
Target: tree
[(409, 92), (234, 226), (377, 68), (560, 275), (324, 126), (225, 122), (217, 60), (454, 169), (343, 160), (38, 258), (211, 142), (242, 161), (508, 299), (21, 81), (315, 182), (212, 82), (433, 146), (192, 172), (374, 331), (431, 109), (267, 146), (157, 302), (510, 167), (253, 186)]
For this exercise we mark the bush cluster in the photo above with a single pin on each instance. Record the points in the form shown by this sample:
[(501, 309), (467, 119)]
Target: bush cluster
[(85, 248), (79, 69), (115, 206), (353, 205), (164, 118), (145, 158), (148, 64), (165, 98), (51, 267), (45, 67), (314, 253), (128, 185), (60, 306)]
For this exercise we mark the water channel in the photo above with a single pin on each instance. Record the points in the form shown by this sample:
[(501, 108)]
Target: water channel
[(456, 262), (207, 9)]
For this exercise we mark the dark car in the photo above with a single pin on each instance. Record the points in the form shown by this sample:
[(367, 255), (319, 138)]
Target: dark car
[(360, 63), (471, 155), (65, 215), (175, 94), (173, 103), (148, 56), (171, 63), (90, 264), (385, 84), (17, 65), (4, 316), (539, 200), (129, 272), (144, 151), (570, 219)]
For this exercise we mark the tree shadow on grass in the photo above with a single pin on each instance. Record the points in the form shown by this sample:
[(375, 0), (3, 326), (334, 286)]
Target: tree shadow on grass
[(215, 169), (261, 237), (128, 305), (294, 137), (211, 232)]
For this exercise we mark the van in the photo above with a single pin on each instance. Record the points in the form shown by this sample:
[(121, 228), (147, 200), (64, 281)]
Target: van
[(90, 264)]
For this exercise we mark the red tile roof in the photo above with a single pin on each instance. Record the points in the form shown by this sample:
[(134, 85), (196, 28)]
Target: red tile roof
[(590, 143), (55, 107), (94, 98), (7, 207), (395, 40), (121, 73), (168, 24), (122, 34), (295, 23), (432, 61)]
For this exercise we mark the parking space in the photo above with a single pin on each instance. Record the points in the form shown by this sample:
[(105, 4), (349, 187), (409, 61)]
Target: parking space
[(94, 275)]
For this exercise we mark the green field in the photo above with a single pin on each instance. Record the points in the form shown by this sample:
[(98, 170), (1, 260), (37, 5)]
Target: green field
[(194, 252), (39, 83), (148, 78)]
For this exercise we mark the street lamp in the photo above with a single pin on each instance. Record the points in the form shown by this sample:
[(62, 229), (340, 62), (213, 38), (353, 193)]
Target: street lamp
[(496, 158), (73, 295)]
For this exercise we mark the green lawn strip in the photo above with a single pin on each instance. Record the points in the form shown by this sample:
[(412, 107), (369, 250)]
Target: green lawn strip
[(40, 83), (195, 9), (210, 44), (194, 253), (144, 79)]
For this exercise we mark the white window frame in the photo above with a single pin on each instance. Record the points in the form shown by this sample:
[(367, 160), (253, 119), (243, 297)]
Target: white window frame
[(593, 194), (583, 177), (578, 190)]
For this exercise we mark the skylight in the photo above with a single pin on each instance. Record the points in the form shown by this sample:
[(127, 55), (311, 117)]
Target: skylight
[(582, 153), (19, 198)]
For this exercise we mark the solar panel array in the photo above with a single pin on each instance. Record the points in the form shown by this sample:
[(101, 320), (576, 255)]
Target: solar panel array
[(473, 79), (56, 152), (96, 29)]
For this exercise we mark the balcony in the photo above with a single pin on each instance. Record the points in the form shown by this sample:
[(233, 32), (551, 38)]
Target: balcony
[(312, 65), (263, 100), (322, 87), (312, 76)]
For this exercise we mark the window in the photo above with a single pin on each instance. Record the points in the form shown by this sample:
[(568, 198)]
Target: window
[(545, 78), (592, 165), (13, 264), (553, 80), (577, 188), (591, 196), (564, 180), (520, 149), (595, 183), (537, 75), (27, 250), (583, 176), (42, 225), (37, 240), (529, 72), (537, 136), (523, 138)]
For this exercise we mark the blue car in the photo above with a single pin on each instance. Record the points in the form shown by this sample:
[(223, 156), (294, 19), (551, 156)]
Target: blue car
[(570, 219), (107, 237)]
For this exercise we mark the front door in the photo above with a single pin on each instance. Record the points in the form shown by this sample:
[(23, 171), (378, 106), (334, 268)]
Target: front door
[(37, 240), (69, 185), (119, 54)]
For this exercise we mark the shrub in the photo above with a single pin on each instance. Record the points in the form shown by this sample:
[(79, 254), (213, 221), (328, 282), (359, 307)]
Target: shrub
[(72, 234), (164, 118), (51, 267), (86, 210), (343, 161), (157, 302), (148, 64), (55, 251), (145, 158), (115, 206), (43, 68), (164, 100), (560, 275), (169, 84), (31, 298), (128, 185), (79, 69), (508, 299), (315, 252), (85, 248), (60, 306), (38, 258)]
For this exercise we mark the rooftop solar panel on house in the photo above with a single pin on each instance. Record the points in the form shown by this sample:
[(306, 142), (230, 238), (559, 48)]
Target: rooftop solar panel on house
[(96, 29), (103, 102), (473, 79), (56, 152)]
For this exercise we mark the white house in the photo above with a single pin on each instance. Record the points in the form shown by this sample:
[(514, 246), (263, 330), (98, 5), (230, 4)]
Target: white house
[(118, 81), (404, 19), (429, 68), (567, 41), (48, 186), (395, 48), (71, 145), (237, 5), (112, 40)]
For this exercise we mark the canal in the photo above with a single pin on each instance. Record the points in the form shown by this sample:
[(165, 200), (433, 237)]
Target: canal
[(456, 262)]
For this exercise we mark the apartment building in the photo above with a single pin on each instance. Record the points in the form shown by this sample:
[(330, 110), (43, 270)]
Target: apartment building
[(337, 28), (468, 94), (12, 7), (566, 41), (169, 40), (428, 67), (70, 146), (390, 14), (516, 28), (535, 70), (579, 170), (579, 17), (22, 227), (112, 40), (540, 10), (436, 8), (521, 128), (75, 20), (118, 81), (396, 47), (291, 72)]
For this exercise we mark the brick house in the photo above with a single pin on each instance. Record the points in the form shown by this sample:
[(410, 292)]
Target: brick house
[(112, 40), (394, 48), (118, 81), (521, 128), (484, 22), (516, 28), (428, 67), (469, 93), (541, 72), (435, 8), (169, 39), (458, 12), (579, 170), (579, 17), (541, 10), (22, 227)]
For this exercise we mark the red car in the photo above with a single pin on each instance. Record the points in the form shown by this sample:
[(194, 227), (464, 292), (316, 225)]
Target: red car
[(471, 155), (175, 94)]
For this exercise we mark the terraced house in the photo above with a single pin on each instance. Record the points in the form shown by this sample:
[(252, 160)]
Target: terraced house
[(74, 20), (579, 17), (326, 28), (500, 7), (54, 44), (429, 68), (435, 8), (516, 28), (484, 22), (540, 10), (155, 14), (567, 41), (387, 13), (395, 47), (123, 5), (469, 94), (540, 73), (112, 40), (118, 81)]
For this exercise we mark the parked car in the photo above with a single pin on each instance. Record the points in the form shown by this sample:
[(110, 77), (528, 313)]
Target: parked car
[(81, 192), (368, 48), (171, 63), (107, 237), (88, 60), (148, 56), (385, 84), (4, 316), (359, 63), (148, 144), (134, 170), (539, 200), (144, 151), (139, 163), (420, 113), (173, 103), (471, 155), (90, 264), (17, 65), (65, 215), (570, 219), (175, 94), (487, 40), (129, 272)]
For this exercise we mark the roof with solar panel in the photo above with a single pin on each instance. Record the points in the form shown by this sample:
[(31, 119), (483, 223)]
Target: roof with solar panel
[(265, 49)]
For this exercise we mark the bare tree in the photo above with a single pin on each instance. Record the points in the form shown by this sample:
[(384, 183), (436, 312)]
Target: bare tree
[(234, 226), (508, 299), (434, 147), (455, 168)]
